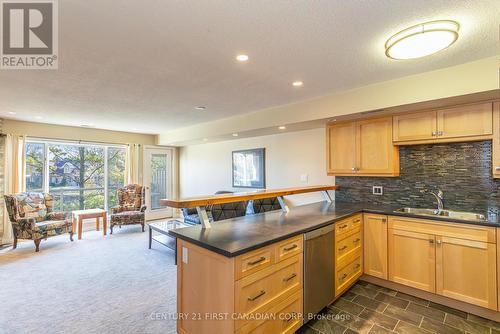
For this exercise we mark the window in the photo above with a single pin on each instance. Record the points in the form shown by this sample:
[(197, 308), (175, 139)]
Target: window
[(79, 176)]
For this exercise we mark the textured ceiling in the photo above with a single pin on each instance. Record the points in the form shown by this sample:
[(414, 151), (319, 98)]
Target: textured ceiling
[(143, 66)]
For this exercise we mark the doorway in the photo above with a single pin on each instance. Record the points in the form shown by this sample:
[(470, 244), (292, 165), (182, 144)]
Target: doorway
[(158, 179)]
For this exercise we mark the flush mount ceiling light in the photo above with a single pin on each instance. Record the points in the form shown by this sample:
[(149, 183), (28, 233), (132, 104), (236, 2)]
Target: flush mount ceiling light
[(422, 40), (297, 83), (12, 112), (282, 127), (242, 58), (201, 108), (235, 135)]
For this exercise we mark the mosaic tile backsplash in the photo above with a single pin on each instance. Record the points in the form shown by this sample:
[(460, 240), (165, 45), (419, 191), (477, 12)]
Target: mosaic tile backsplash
[(461, 170)]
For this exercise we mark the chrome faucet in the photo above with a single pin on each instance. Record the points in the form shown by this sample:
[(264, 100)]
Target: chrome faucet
[(439, 198)]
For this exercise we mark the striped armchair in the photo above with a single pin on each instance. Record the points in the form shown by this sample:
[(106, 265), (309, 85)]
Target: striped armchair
[(32, 217)]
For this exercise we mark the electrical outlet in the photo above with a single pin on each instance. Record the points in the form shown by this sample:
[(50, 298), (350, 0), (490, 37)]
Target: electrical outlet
[(378, 190)]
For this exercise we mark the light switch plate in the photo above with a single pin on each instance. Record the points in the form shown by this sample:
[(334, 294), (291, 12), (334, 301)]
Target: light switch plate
[(378, 190), (184, 255), (304, 178)]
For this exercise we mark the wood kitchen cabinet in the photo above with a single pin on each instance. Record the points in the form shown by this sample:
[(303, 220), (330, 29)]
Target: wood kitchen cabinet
[(362, 148), (341, 148), (453, 260), (466, 270), (375, 245), (348, 252), (461, 123), (414, 127), (267, 281), (412, 259)]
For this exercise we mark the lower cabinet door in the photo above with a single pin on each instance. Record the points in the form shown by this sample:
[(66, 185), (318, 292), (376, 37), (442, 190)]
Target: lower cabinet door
[(466, 271), (375, 245), (412, 259)]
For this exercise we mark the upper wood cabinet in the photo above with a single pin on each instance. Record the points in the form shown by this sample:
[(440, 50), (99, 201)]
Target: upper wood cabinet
[(375, 245), (469, 122), (341, 148), (496, 140), (413, 127), (362, 148)]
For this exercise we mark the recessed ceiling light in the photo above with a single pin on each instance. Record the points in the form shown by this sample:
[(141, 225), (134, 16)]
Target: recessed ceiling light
[(422, 40), (235, 135), (242, 58), (200, 108), (12, 112), (297, 83), (282, 127), (87, 125), (38, 117)]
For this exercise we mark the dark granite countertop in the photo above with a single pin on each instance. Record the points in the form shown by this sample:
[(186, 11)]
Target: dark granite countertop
[(239, 235)]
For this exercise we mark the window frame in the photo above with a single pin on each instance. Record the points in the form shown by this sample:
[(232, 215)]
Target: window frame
[(46, 170)]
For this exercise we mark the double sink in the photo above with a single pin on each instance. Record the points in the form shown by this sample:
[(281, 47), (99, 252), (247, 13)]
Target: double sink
[(460, 215)]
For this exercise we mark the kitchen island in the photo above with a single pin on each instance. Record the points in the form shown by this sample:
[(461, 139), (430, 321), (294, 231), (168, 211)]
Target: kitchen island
[(246, 275)]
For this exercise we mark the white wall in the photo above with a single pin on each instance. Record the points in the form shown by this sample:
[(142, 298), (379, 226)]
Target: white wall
[(206, 168)]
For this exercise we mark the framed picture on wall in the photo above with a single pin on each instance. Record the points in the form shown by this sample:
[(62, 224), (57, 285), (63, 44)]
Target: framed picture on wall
[(249, 168)]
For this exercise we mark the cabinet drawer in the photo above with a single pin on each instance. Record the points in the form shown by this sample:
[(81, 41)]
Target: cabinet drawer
[(253, 262), (289, 248), (348, 274), (348, 246), (284, 318), (346, 226), (260, 291), (290, 316), (452, 230)]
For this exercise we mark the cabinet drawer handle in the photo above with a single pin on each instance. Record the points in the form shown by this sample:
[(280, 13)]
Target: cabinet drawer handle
[(440, 133), (343, 277), (357, 221), (260, 294), (253, 263), (292, 276), (343, 226), (431, 241), (434, 133), (287, 249), (342, 248), (384, 220), (357, 240), (357, 266), (438, 242), (293, 316), (497, 168)]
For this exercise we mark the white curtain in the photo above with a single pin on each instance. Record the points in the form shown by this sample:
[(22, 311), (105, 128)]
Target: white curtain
[(14, 176), (133, 164)]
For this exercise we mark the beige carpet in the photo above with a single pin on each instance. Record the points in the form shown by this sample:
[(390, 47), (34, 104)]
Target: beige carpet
[(111, 284)]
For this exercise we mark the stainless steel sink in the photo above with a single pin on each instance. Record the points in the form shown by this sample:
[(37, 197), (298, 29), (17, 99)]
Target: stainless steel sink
[(444, 213)]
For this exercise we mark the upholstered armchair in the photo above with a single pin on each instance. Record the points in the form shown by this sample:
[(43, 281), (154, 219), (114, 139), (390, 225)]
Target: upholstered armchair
[(130, 209), (32, 217)]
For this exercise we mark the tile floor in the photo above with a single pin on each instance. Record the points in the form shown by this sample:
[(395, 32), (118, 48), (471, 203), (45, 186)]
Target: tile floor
[(367, 308)]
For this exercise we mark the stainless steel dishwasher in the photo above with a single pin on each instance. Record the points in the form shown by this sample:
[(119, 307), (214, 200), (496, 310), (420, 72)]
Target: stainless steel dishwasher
[(319, 271)]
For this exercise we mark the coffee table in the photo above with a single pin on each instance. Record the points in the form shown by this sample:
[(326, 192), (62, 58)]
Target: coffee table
[(162, 228), (79, 215)]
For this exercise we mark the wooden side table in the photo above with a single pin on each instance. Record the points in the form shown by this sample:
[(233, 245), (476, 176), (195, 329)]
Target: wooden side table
[(79, 215)]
